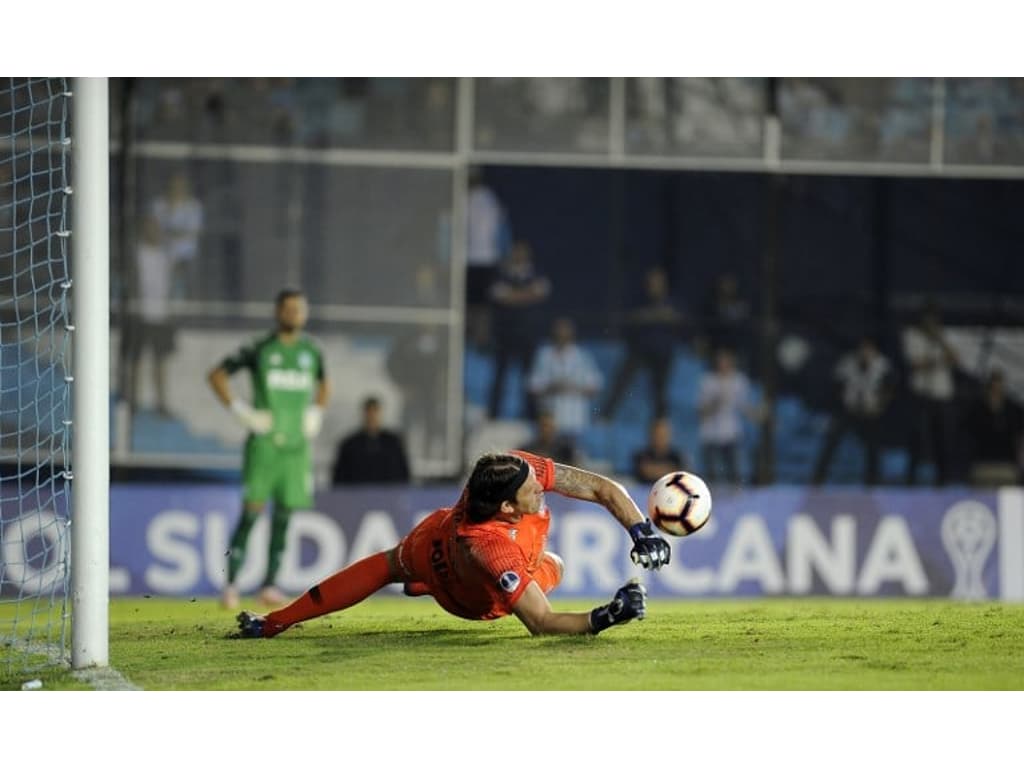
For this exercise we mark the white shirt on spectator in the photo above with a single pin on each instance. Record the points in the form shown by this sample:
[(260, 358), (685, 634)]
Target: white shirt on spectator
[(935, 381), (572, 368), (181, 224), (731, 394), (154, 265), (863, 386), (483, 222)]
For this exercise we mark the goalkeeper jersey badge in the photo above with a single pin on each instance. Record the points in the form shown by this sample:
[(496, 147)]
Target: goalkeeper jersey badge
[(508, 581)]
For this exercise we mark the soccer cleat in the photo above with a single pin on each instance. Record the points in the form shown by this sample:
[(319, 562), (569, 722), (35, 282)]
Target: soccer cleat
[(271, 595), (250, 624), (229, 597)]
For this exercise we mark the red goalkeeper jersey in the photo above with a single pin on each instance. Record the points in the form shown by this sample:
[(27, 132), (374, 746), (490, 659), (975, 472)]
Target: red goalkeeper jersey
[(478, 570)]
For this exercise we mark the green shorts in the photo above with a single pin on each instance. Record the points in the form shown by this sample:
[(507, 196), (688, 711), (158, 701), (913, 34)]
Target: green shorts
[(284, 476)]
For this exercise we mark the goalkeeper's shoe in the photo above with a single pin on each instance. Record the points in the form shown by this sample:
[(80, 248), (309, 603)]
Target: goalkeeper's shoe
[(250, 624)]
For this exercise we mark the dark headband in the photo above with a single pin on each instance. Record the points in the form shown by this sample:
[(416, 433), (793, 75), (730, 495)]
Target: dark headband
[(507, 490)]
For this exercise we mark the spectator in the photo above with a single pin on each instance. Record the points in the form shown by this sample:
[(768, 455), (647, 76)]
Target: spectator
[(931, 360), (283, 110), (723, 401), (865, 377), (658, 457), (347, 114), (371, 454), (547, 442), (516, 295), (486, 245), (996, 436), (726, 318), (149, 324), (651, 333), (181, 220), (565, 379)]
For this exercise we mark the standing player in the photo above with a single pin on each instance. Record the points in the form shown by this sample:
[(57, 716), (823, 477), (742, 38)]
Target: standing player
[(287, 370), (484, 558)]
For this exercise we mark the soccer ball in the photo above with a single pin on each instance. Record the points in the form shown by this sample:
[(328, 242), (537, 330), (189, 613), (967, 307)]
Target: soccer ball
[(679, 503)]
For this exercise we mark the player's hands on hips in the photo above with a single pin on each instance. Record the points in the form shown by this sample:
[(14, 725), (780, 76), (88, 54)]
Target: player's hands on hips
[(312, 421), (650, 550), (257, 422), (630, 602)]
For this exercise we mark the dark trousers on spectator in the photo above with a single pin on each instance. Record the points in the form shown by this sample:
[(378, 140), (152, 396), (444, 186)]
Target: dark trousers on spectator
[(725, 454), (657, 364), (930, 437), (866, 428), (503, 356)]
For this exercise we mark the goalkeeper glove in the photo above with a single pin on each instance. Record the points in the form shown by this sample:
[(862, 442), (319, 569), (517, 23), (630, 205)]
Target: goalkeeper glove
[(649, 549), (629, 603), (312, 421), (257, 422)]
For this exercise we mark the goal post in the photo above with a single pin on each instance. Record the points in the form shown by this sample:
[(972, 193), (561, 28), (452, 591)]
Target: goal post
[(90, 257)]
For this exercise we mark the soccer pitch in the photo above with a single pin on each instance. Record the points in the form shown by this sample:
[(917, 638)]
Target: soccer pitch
[(395, 643)]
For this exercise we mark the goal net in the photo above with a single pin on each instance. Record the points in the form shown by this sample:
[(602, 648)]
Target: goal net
[(35, 373)]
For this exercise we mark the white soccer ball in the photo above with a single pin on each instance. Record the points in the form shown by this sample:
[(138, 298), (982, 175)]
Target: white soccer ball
[(679, 503)]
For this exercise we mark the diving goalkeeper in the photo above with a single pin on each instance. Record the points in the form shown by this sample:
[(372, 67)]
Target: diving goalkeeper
[(485, 557), (290, 391)]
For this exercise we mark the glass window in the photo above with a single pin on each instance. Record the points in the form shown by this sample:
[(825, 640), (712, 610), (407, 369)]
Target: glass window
[(856, 119), (695, 116), (353, 113), (245, 229), (985, 121), (541, 114)]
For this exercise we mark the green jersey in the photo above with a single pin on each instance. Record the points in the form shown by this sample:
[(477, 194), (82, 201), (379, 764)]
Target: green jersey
[(284, 379)]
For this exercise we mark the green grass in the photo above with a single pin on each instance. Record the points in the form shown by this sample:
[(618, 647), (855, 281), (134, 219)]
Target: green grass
[(391, 643)]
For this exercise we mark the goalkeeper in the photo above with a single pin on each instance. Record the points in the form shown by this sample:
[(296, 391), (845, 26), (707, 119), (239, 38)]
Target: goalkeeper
[(484, 558), (287, 372)]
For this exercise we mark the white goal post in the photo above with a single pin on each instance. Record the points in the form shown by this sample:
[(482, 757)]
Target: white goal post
[(90, 252)]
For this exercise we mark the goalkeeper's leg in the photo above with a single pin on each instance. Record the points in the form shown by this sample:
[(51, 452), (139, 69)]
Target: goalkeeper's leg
[(344, 589), (549, 574)]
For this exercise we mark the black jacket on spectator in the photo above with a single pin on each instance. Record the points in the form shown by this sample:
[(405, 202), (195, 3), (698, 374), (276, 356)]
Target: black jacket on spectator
[(671, 456), (365, 458)]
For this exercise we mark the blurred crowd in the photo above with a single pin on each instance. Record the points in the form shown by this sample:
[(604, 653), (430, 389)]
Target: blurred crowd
[(975, 436), (563, 392), (954, 424)]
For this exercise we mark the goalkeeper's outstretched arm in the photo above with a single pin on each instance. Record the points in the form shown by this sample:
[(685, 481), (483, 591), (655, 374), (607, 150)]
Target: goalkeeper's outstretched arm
[(650, 550), (589, 486), (533, 609)]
